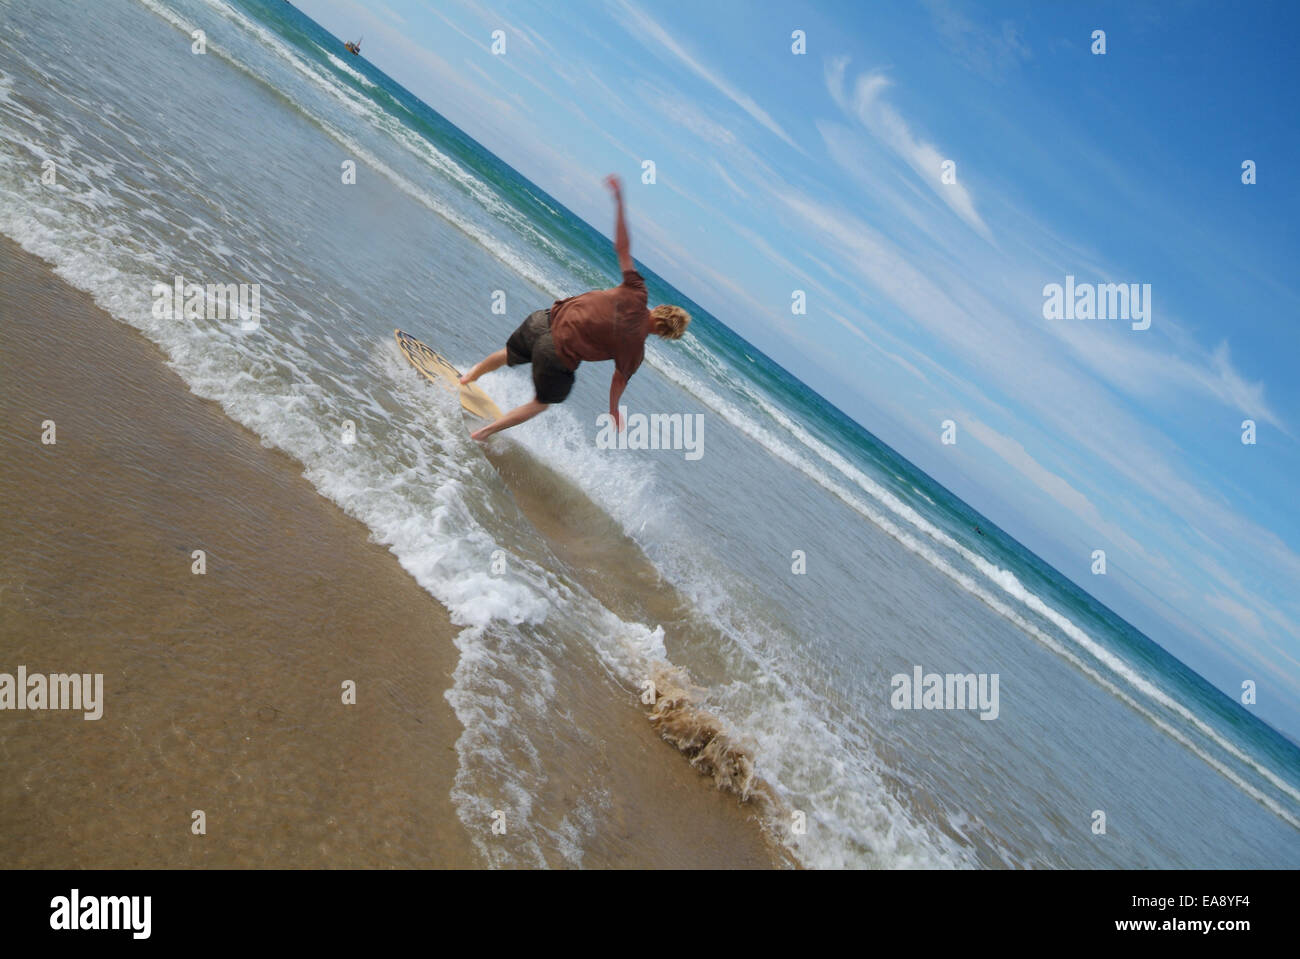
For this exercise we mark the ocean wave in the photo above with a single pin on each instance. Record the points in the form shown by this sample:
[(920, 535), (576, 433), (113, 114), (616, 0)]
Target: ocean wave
[(410, 141), (342, 65), (1004, 580)]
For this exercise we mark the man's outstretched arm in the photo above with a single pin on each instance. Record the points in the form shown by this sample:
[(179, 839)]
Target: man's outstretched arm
[(616, 387), (622, 244)]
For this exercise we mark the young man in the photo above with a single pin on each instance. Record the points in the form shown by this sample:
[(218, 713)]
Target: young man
[(598, 325)]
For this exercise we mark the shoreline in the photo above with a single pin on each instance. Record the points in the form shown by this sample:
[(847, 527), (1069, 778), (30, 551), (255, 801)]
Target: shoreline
[(223, 690)]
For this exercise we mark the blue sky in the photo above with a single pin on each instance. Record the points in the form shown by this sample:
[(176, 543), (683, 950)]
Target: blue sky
[(821, 172)]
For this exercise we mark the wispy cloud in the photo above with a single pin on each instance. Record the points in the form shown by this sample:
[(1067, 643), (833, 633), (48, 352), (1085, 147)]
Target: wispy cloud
[(644, 26), (389, 12), (989, 52), (1057, 487), (726, 178), (866, 103), (1148, 371), (687, 115)]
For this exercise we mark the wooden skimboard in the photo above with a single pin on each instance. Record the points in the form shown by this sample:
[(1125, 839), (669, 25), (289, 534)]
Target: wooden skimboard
[(436, 369)]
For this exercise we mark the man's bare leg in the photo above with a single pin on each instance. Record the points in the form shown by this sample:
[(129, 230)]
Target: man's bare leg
[(486, 365), (516, 416)]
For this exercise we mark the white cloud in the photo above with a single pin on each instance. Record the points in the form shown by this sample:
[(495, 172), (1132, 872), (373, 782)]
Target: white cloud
[(990, 53), (687, 115), (643, 26), (389, 12), (735, 188), (867, 105), (1013, 452)]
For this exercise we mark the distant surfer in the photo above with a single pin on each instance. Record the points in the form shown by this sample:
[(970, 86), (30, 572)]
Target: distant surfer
[(597, 325)]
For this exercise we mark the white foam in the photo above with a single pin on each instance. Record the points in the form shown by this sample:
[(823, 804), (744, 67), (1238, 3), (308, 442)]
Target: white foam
[(342, 65), (408, 140), (1003, 579), (792, 745)]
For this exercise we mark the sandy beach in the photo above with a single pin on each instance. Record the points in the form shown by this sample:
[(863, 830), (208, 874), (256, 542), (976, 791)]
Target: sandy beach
[(223, 691)]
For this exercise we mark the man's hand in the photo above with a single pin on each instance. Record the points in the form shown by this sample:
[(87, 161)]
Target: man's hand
[(622, 245)]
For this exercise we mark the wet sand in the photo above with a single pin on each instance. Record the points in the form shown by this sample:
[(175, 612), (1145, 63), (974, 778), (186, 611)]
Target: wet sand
[(223, 690)]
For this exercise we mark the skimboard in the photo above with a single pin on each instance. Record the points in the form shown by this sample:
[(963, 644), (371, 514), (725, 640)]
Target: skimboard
[(436, 369)]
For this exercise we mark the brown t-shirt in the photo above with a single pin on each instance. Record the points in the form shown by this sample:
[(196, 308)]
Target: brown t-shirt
[(603, 325)]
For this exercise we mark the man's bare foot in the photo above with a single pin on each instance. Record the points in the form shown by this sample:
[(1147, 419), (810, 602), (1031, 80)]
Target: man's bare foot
[(466, 380), (480, 435)]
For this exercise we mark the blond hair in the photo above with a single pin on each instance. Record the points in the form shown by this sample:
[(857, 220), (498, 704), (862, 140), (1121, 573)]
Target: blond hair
[(671, 321)]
